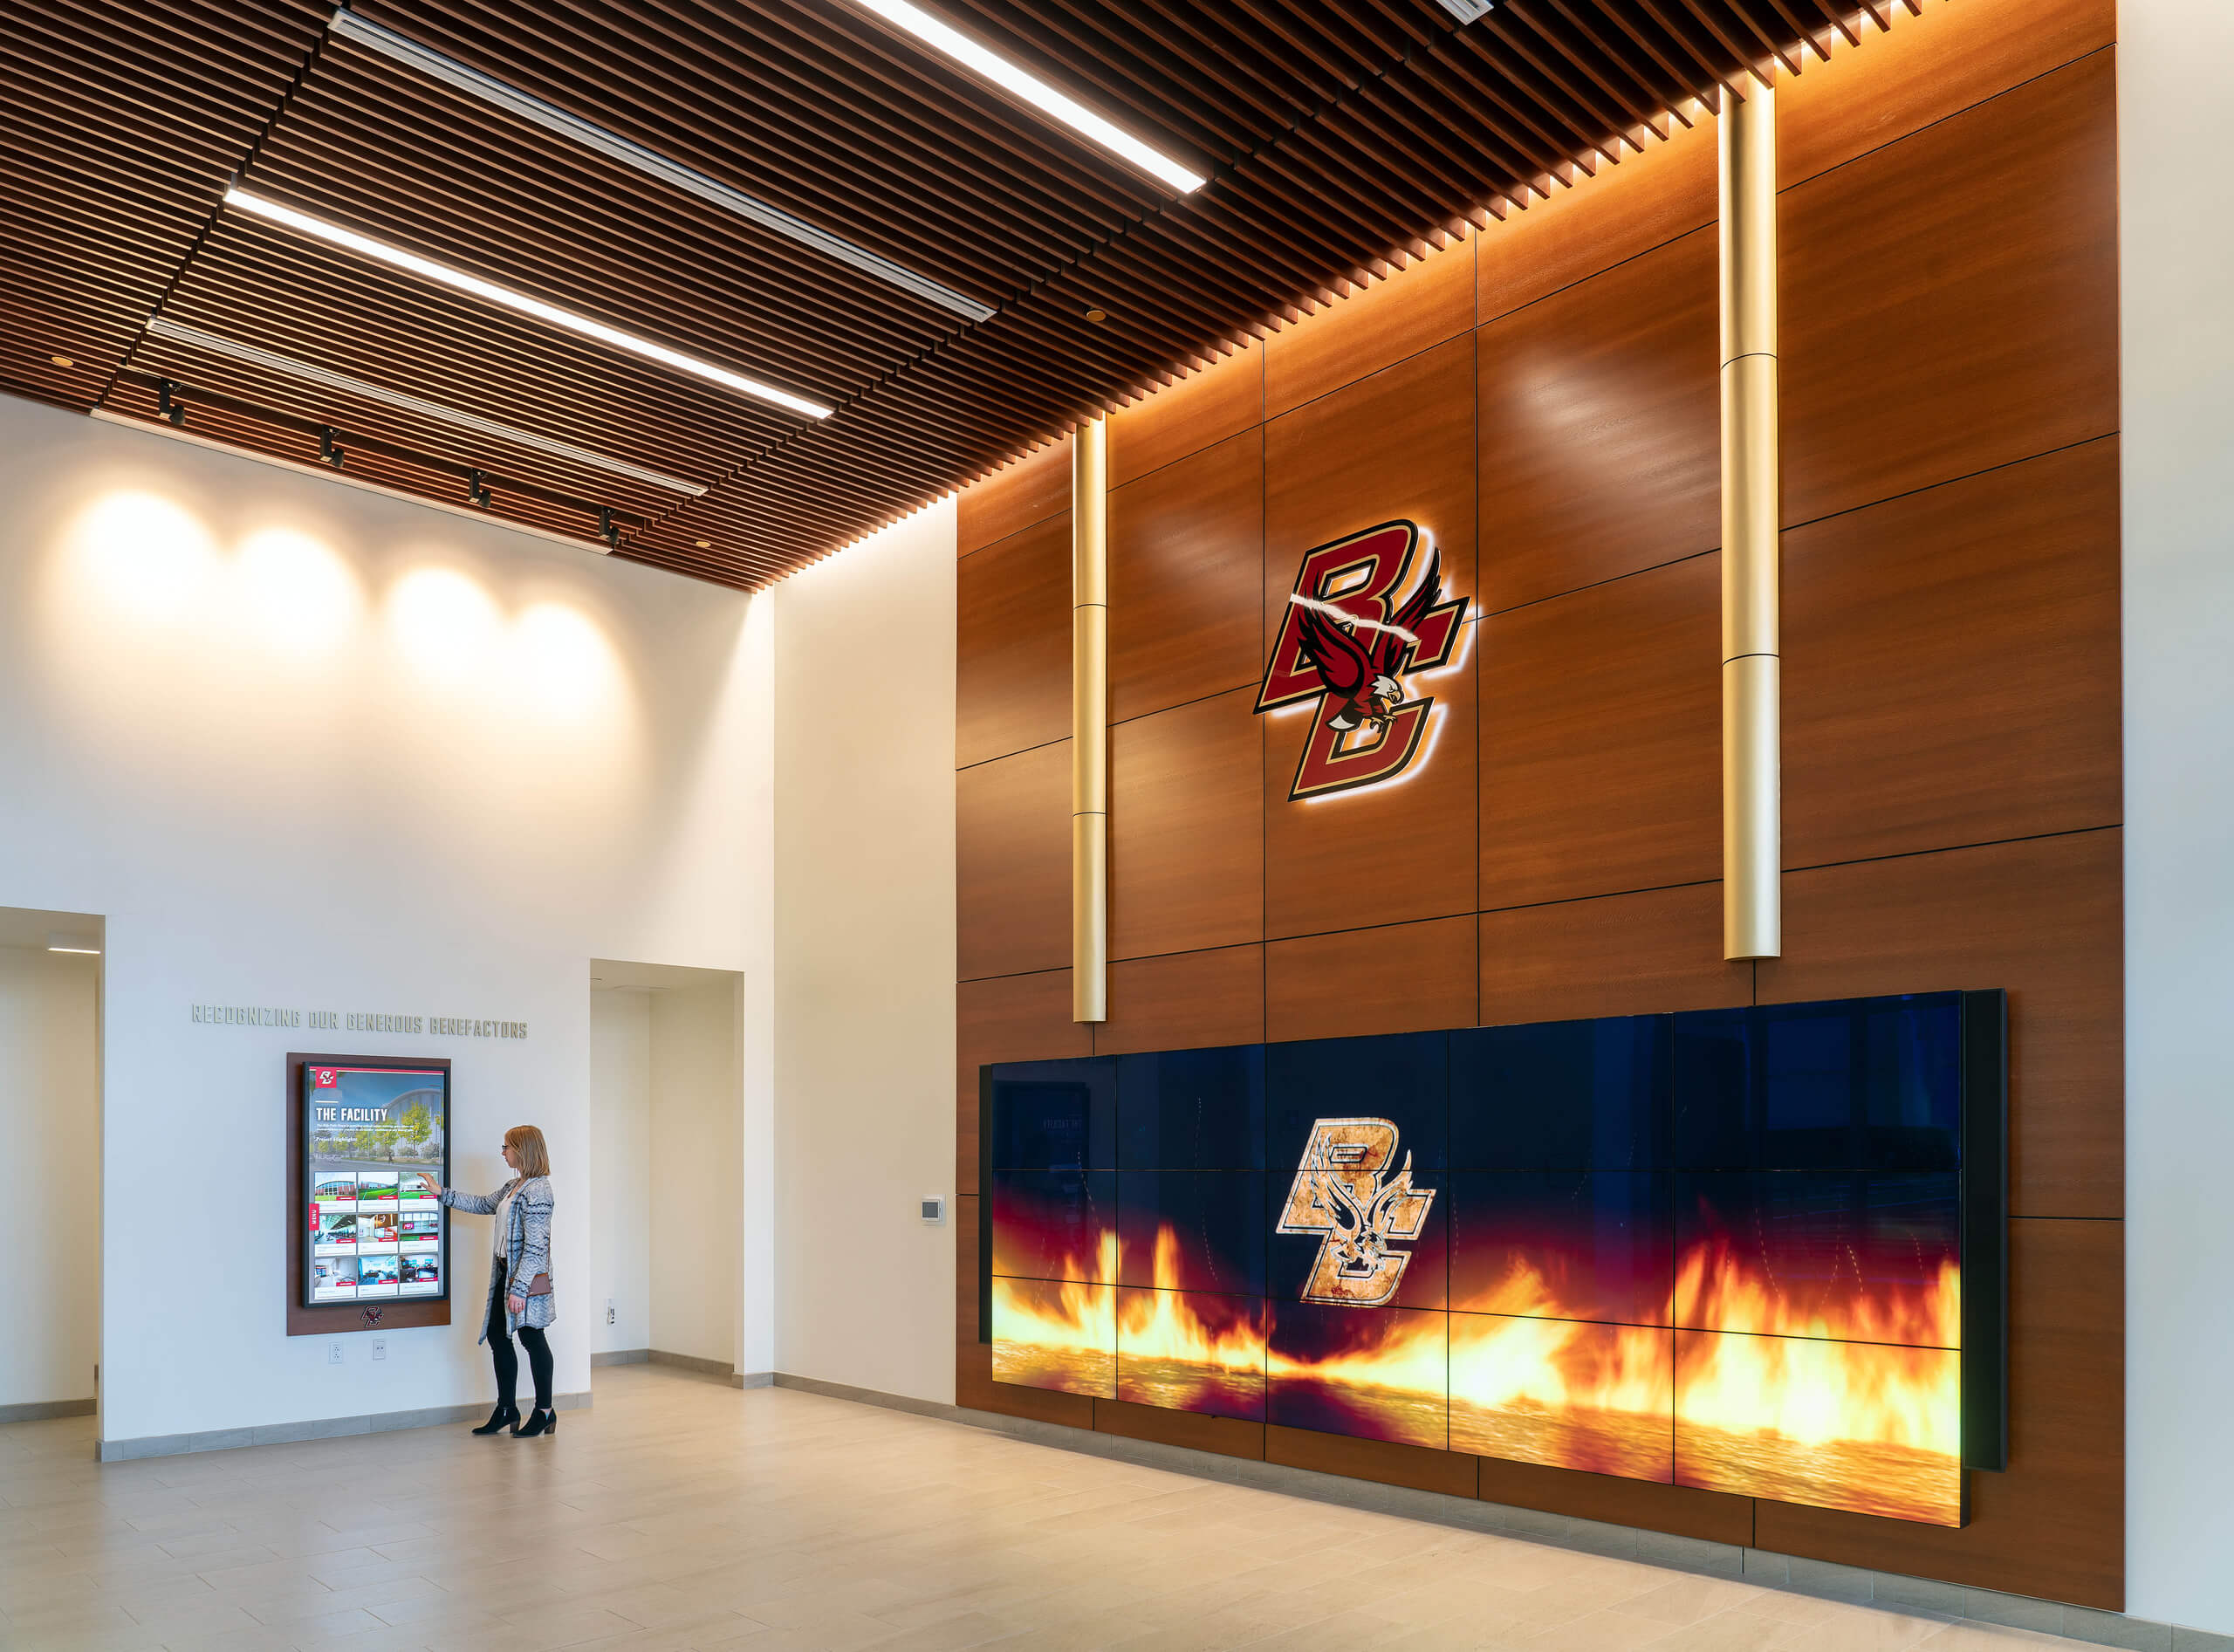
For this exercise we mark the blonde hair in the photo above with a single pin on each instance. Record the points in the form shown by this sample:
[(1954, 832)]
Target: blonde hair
[(526, 1141)]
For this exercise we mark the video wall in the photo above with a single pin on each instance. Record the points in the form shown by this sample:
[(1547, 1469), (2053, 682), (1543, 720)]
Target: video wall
[(1756, 1251), (376, 1146)]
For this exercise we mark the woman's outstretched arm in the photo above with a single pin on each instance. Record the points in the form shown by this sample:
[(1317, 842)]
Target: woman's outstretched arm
[(474, 1203)]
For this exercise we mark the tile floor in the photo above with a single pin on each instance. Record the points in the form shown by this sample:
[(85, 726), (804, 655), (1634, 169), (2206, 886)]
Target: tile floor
[(680, 1512)]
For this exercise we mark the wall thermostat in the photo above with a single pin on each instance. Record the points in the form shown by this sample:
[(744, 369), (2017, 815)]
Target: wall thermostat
[(934, 1209)]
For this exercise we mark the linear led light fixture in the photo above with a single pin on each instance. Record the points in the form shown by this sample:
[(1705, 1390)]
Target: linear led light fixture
[(1022, 83), (64, 940), (548, 116), (411, 262), (217, 345)]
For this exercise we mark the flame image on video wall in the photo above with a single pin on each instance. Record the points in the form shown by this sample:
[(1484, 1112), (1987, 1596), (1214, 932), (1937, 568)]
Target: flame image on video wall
[(1721, 1250)]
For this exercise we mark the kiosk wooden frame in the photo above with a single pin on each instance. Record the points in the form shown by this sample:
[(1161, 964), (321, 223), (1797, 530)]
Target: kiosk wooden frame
[(330, 1318)]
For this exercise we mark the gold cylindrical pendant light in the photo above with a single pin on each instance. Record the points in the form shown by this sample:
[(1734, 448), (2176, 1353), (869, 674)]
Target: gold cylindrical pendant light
[(1752, 901), (1090, 722)]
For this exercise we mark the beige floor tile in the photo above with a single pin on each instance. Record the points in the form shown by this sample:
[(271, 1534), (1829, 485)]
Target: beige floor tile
[(681, 1515), (1855, 1629), (1971, 1636), (1688, 1599)]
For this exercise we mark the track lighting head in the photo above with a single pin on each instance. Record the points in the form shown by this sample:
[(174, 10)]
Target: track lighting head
[(477, 489), (327, 451), (168, 403)]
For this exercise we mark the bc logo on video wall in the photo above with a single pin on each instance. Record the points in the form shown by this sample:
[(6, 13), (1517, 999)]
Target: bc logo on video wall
[(1756, 1251)]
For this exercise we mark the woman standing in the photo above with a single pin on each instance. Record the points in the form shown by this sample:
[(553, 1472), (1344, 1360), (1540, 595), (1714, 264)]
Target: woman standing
[(520, 1297)]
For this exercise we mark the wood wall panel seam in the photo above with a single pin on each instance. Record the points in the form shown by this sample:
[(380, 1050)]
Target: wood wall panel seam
[(1954, 848), (1793, 181), (2111, 433), (1022, 750)]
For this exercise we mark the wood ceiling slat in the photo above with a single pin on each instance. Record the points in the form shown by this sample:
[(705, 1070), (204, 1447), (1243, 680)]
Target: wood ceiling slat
[(782, 116), (1343, 138), (432, 132), (327, 293), (556, 241)]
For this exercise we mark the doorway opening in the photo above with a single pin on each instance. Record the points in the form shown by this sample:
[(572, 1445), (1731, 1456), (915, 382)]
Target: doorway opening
[(50, 1119), (666, 1094)]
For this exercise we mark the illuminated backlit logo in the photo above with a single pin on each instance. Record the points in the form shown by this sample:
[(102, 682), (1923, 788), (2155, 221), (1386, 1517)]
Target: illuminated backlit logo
[(1347, 642), (1342, 1191)]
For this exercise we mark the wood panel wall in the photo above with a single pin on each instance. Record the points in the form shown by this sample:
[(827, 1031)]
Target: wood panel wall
[(1543, 397)]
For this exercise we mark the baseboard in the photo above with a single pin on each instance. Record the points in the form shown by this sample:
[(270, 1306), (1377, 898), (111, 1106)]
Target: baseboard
[(876, 1396), (752, 1379), (40, 1411), (691, 1362), (620, 1356), (1793, 1574), (172, 1445)]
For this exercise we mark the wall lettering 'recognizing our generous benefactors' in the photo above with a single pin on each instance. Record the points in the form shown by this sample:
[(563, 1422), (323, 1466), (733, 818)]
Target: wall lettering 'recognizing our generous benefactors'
[(441, 1026)]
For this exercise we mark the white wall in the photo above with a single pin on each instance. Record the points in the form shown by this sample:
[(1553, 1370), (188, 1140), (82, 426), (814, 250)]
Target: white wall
[(2176, 85), (864, 991), (694, 1146), (50, 1221), (312, 747), (620, 1169)]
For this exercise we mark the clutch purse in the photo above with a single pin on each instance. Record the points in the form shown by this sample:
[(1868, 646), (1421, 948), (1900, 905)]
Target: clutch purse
[(539, 1285)]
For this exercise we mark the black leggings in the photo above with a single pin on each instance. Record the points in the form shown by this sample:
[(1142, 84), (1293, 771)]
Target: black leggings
[(508, 1363)]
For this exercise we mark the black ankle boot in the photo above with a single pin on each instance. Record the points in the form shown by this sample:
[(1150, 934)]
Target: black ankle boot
[(539, 1421), (499, 1417)]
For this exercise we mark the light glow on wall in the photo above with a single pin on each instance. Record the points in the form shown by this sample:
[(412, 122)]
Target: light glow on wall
[(305, 599), (143, 557), (444, 623), (566, 662)]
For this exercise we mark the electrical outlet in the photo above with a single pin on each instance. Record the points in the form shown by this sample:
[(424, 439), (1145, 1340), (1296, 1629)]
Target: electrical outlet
[(608, 1310), (379, 1348), (333, 1353)]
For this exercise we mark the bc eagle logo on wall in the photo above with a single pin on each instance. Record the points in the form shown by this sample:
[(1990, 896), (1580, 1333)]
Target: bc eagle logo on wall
[(1347, 640)]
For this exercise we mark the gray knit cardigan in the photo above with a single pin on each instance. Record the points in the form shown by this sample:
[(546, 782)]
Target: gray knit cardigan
[(527, 1248)]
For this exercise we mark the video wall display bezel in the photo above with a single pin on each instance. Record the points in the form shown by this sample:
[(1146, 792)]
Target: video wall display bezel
[(305, 1316), (1643, 1177)]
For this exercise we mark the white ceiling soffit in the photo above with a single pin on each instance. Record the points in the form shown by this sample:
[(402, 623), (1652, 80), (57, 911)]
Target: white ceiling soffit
[(614, 974), (28, 927), (554, 119)]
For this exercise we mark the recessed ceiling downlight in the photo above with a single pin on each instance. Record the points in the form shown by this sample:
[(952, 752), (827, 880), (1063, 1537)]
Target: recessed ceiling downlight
[(426, 269), (1021, 82)]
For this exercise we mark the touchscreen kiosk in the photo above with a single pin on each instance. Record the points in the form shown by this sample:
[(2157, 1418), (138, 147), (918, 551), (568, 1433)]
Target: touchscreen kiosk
[(376, 1155)]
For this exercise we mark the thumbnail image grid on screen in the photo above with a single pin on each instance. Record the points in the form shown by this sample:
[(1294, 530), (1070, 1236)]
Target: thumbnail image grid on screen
[(1721, 1250), (376, 1149)]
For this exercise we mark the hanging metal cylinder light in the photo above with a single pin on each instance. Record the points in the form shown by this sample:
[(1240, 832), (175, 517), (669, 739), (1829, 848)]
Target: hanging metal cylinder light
[(1090, 722), (1752, 531)]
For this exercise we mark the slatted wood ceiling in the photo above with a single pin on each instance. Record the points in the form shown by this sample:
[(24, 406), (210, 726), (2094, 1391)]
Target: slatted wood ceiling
[(1341, 137)]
